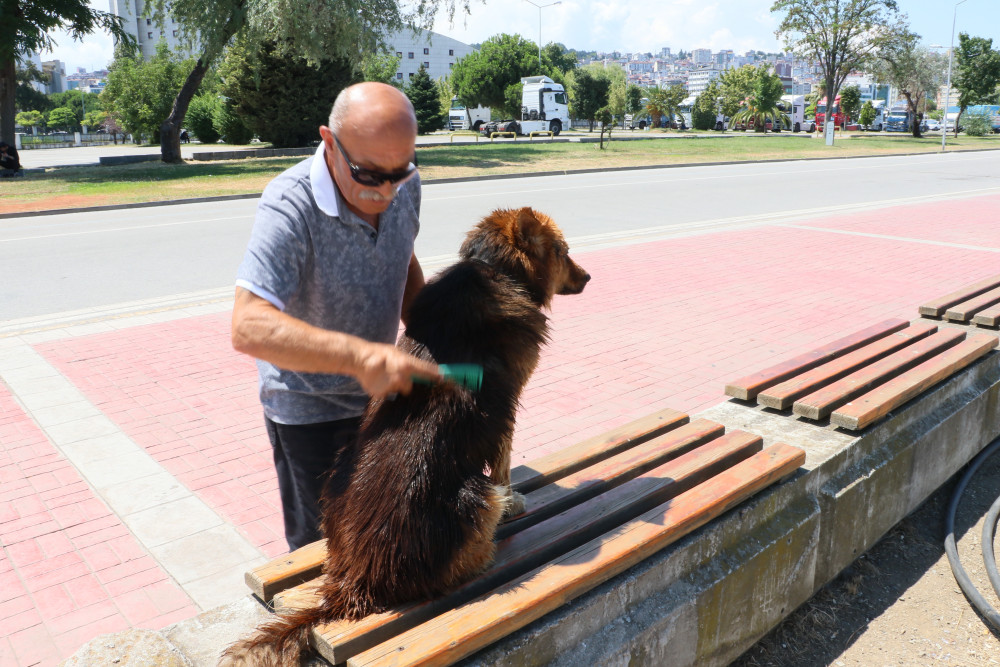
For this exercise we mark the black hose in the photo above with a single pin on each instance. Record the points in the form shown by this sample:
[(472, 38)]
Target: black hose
[(989, 530)]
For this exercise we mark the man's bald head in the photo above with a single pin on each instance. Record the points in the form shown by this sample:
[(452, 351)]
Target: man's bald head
[(372, 107)]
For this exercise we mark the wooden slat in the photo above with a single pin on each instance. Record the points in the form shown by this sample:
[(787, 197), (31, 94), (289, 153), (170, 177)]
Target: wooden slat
[(781, 396), (303, 596), (306, 563), (459, 633), (988, 318), (820, 403), (548, 540), (748, 387), (877, 403), (547, 469), (963, 312), (937, 307), (301, 565), (589, 482)]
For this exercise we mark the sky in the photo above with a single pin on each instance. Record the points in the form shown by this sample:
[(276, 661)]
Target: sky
[(627, 26)]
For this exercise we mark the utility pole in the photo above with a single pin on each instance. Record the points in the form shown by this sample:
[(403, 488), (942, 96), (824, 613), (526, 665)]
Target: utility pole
[(540, 8)]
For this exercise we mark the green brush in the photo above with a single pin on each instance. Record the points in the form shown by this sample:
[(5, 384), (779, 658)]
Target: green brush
[(469, 376)]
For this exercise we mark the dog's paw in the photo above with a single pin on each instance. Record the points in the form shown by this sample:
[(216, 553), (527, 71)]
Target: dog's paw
[(514, 504)]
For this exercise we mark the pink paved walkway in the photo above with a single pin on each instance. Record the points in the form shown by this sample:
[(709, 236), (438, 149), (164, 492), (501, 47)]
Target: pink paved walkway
[(662, 324)]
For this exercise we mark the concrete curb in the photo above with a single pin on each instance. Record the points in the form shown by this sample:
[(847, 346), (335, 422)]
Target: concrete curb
[(462, 179)]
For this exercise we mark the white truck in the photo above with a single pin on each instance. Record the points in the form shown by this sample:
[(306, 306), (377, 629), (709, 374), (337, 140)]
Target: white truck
[(544, 108), (881, 115), (461, 117), (794, 109)]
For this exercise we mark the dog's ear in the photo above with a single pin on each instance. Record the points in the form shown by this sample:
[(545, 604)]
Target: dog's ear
[(530, 232)]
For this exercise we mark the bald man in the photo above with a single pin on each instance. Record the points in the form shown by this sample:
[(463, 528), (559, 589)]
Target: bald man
[(327, 275)]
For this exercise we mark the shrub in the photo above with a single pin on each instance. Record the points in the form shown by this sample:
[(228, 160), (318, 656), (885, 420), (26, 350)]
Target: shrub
[(200, 118), (229, 124), (423, 95), (978, 123)]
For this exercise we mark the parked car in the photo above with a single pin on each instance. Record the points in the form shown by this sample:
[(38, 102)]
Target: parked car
[(809, 125), (930, 125)]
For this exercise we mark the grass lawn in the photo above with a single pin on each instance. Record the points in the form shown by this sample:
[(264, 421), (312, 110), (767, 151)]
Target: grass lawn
[(69, 187)]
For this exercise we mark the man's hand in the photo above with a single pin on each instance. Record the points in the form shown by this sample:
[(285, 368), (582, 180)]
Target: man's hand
[(384, 370)]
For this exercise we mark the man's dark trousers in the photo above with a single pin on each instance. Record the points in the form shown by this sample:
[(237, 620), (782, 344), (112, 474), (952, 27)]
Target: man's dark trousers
[(303, 455)]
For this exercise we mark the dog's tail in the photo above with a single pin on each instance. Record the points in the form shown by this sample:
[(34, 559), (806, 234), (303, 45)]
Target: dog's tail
[(279, 643)]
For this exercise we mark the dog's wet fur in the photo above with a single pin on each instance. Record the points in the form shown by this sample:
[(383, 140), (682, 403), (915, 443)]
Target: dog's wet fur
[(410, 513)]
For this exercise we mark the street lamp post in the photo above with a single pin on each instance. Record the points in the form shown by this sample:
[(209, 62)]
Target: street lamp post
[(947, 92), (540, 8)]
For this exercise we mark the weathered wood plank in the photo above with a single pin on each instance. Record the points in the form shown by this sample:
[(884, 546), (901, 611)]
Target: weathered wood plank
[(286, 571), (306, 563), (748, 387), (820, 403), (548, 540), (594, 480), (877, 403), (937, 307), (963, 312), (988, 318), (781, 396), (545, 470), (459, 633)]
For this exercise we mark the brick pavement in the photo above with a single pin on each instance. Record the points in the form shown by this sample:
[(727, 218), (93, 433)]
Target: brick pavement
[(134, 462)]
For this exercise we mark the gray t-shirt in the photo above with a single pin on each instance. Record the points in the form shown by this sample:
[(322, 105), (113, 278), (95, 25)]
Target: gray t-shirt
[(315, 260)]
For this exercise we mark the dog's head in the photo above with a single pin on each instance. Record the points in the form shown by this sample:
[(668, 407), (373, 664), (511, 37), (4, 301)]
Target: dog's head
[(530, 247)]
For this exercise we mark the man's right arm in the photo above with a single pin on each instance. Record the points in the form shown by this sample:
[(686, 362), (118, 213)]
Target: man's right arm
[(264, 332)]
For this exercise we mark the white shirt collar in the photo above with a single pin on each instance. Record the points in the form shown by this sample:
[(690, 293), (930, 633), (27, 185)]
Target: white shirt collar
[(323, 188)]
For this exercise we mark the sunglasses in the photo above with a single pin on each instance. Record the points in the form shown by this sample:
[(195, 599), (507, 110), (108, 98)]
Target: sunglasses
[(371, 178)]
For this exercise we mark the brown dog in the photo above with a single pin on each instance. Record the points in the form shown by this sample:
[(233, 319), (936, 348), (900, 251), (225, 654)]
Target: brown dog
[(409, 513)]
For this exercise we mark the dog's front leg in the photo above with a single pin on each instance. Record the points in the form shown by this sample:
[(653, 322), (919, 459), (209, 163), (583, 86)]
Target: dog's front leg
[(500, 475)]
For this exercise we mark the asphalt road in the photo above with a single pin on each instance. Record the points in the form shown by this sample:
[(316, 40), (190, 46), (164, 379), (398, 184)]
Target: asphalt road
[(57, 263)]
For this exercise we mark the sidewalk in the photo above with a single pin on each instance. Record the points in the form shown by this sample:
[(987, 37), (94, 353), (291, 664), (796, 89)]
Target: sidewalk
[(135, 476)]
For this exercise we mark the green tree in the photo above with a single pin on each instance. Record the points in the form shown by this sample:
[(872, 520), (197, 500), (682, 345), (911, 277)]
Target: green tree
[(736, 85), (911, 69), (492, 75), (706, 107), (381, 67), (762, 104), (850, 101), (664, 102), (26, 97), (842, 35), (318, 31), (201, 118), (62, 118), (140, 93), (282, 98), (607, 121), (977, 73), (559, 57), (25, 27), (30, 119), (94, 119), (867, 114), (231, 125), (589, 93), (423, 95), (79, 102)]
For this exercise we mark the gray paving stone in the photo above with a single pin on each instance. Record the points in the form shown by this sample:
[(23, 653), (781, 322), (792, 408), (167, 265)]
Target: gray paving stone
[(203, 554), (140, 494), (172, 521)]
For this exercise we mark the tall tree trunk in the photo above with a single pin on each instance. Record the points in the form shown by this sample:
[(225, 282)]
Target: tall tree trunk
[(8, 88), (170, 130), (914, 120), (957, 118)]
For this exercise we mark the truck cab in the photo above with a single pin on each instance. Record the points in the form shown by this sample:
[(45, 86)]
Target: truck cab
[(462, 118), (544, 105)]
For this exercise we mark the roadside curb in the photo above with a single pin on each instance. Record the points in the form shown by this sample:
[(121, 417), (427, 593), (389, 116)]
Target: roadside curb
[(462, 179)]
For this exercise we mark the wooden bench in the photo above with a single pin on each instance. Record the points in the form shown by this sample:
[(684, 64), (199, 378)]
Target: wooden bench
[(858, 379), (978, 303), (593, 510)]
